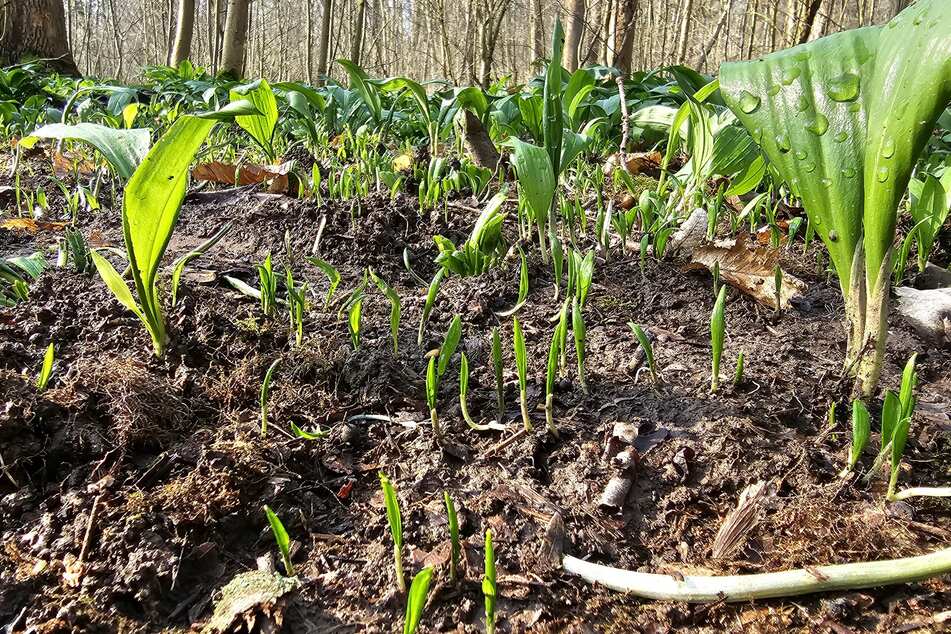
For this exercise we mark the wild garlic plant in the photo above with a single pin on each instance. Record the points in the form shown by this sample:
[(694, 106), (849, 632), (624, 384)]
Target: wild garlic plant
[(648, 349), (282, 539), (296, 305), (46, 370), (717, 332), (521, 365), (489, 584), (416, 600), (266, 393), (395, 307), (395, 520), (498, 368), (438, 364), (580, 334)]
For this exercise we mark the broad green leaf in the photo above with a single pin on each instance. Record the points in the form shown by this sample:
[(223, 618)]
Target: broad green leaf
[(152, 202), (360, 82), (47, 369), (416, 90), (115, 282), (861, 429), (416, 600), (535, 176), (281, 537), (230, 111), (891, 414), (259, 126), (930, 208), (449, 345), (123, 149)]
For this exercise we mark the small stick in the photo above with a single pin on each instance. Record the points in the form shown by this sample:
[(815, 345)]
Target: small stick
[(625, 123), (505, 443), (87, 539)]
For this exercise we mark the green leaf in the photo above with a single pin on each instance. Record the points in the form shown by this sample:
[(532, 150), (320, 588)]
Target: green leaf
[(115, 282), (453, 535), (265, 393), (229, 111), (535, 176), (450, 342), (123, 149), (909, 380), (930, 209), (717, 331), (392, 510), (300, 433), (282, 539), (332, 275), (354, 318), (259, 126), (521, 359), (416, 600), (646, 346), (395, 310), (150, 208), (360, 82), (891, 414), (47, 369), (861, 429), (552, 118)]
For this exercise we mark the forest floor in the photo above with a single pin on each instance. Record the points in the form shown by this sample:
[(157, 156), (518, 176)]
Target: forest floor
[(171, 456)]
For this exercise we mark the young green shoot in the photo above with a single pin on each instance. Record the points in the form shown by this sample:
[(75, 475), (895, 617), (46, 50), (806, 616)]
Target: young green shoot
[(522, 287), (265, 393), (395, 521), (47, 368), (395, 307), (489, 589), (521, 364), (738, 375), (455, 548), (580, 333), (296, 306), (282, 539), (416, 600), (431, 295), (648, 349), (717, 331), (861, 429), (551, 376), (333, 277), (267, 286)]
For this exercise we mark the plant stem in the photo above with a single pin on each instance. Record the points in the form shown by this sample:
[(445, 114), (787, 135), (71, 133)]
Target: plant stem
[(935, 492), (549, 418), (523, 402), (398, 562), (738, 588)]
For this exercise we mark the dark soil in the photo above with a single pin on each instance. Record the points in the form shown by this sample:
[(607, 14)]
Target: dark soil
[(171, 454)]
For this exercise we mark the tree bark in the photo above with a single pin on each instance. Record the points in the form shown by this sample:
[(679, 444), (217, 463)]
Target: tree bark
[(478, 143), (184, 29), (574, 23), (356, 44), (809, 21), (323, 48), (235, 38), (623, 34), (538, 33), (684, 32), (36, 29)]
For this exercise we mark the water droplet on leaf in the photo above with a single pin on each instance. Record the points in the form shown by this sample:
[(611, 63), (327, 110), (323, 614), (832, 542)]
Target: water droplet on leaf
[(802, 104), (845, 87), (883, 174), (888, 147), (819, 125), (790, 75), (840, 137), (801, 155), (809, 167), (773, 90), (749, 102), (782, 142)]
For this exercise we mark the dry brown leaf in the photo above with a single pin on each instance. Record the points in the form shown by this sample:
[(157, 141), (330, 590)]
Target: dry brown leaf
[(30, 225), (750, 269), (250, 174), (637, 162), (65, 164), (741, 520)]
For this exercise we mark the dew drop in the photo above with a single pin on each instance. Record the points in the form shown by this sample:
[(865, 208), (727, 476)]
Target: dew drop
[(790, 75), (833, 236), (840, 137), (802, 104), (888, 147), (801, 155), (849, 172), (773, 90), (749, 102), (819, 125), (809, 167), (855, 107), (782, 142), (827, 182), (883, 174), (845, 87)]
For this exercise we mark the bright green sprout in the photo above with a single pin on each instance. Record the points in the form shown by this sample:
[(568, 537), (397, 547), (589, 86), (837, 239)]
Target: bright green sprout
[(580, 334), (738, 375), (47, 369), (521, 364), (395, 307), (489, 588), (498, 367), (395, 521), (648, 349), (416, 600), (282, 539), (861, 430), (717, 331)]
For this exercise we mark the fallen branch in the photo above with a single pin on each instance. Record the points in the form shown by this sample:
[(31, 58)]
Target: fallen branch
[(789, 583)]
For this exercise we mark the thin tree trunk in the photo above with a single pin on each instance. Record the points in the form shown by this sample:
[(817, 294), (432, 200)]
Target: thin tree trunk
[(684, 31), (36, 28), (809, 21), (235, 38), (727, 8), (574, 30), (185, 27), (356, 42), (323, 50), (538, 32), (309, 45), (624, 31)]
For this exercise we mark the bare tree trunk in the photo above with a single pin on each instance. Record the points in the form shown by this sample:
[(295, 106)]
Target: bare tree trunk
[(185, 27), (727, 8), (36, 28), (308, 44), (573, 33), (684, 31), (538, 32), (808, 21), (323, 48), (235, 38), (356, 43), (623, 34)]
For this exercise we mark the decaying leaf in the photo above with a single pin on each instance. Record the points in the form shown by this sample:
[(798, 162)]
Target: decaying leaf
[(280, 176), (403, 162), (29, 225), (637, 162), (741, 520), (251, 602), (750, 269)]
